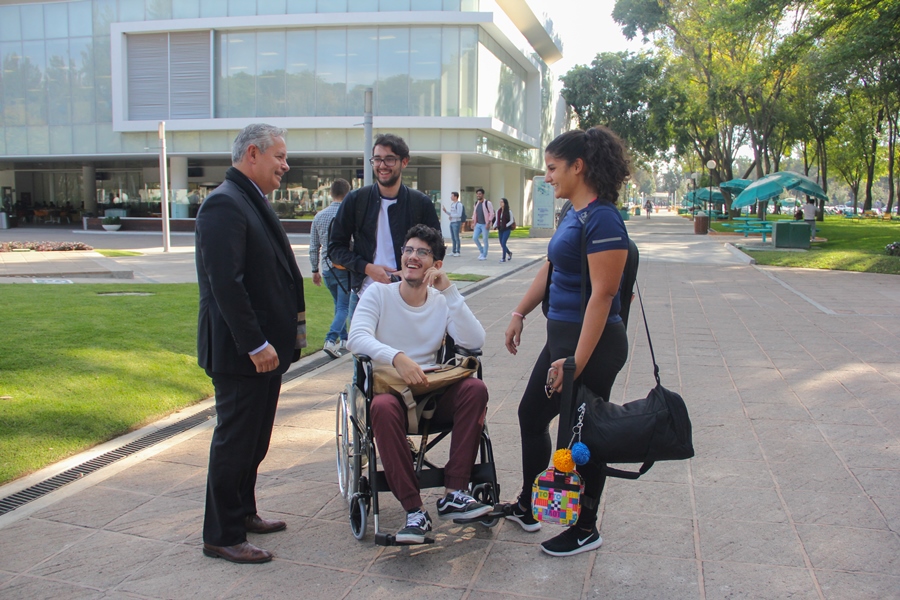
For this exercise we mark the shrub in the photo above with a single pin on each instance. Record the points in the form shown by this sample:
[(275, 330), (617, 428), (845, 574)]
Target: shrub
[(46, 246), (112, 220), (893, 249)]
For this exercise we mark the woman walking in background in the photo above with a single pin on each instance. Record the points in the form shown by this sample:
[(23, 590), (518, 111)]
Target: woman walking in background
[(588, 168), (505, 223)]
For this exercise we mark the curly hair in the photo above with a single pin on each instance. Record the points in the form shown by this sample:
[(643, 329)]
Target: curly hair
[(606, 160), (430, 236), (394, 142)]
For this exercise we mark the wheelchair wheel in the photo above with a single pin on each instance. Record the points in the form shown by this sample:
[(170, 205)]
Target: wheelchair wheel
[(348, 439), (484, 493), (360, 503), (358, 515)]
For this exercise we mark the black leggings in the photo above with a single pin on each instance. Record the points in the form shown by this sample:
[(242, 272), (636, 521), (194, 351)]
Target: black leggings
[(536, 410)]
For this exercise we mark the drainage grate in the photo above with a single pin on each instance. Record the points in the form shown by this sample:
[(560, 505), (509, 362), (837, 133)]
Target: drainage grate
[(34, 492)]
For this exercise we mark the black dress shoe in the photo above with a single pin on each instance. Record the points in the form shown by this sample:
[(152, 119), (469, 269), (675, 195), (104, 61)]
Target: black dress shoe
[(245, 552), (253, 524)]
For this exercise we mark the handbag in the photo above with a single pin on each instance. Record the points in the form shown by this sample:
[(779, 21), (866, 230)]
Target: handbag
[(556, 497), (654, 428), (386, 380)]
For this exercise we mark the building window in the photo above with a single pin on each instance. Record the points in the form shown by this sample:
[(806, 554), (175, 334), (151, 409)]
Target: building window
[(168, 76)]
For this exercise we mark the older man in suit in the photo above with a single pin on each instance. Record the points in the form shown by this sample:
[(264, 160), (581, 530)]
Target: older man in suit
[(251, 292)]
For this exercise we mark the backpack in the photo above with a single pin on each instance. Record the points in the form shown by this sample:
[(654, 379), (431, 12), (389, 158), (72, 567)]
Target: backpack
[(463, 218)]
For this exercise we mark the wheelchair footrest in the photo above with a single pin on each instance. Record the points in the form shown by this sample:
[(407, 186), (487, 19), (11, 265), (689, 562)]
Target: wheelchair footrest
[(388, 539), (494, 514)]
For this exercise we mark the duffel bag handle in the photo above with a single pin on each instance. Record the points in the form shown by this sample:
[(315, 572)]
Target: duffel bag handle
[(566, 404)]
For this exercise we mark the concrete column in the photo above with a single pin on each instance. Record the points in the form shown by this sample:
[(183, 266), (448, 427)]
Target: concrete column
[(178, 185), (498, 184), (451, 178), (513, 181), (178, 168), (89, 188)]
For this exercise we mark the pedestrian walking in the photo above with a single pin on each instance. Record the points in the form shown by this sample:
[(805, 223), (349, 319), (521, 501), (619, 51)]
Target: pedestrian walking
[(336, 277)]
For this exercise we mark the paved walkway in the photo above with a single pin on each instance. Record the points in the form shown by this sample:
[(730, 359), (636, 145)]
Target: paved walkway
[(792, 378)]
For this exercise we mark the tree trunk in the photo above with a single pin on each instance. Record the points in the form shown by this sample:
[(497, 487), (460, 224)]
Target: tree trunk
[(892, 148)]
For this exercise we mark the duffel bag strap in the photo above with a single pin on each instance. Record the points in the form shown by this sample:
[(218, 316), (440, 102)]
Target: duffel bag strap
[(566, 404), (647, 329), (620, 474)]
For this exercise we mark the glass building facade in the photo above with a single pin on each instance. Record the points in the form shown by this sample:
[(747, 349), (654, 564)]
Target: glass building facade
[(84, 85)]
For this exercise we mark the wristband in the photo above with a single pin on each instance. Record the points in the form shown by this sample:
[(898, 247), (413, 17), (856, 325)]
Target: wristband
[(518, 314)]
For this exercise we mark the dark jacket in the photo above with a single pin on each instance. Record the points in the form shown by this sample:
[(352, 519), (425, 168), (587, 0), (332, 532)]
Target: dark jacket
[(412, 207), (250, 286)]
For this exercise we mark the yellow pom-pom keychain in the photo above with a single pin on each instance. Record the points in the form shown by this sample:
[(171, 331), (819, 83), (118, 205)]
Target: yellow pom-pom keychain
[(562, 461), (566, 459)]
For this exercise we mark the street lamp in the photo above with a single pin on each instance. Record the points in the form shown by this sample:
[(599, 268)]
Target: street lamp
[(164, 185), (694, 177), (710, 164)]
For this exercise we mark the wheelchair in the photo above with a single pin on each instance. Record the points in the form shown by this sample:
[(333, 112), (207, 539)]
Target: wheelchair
[(359, 479)]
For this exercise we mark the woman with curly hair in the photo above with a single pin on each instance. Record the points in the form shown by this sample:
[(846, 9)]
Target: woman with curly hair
[(588, 168)]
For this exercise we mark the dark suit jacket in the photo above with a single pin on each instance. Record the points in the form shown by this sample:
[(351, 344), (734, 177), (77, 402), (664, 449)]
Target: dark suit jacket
[(250, 286)]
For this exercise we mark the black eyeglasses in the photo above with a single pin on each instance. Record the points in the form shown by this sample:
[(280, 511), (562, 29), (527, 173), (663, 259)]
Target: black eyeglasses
[(420, 252), (388, 161)]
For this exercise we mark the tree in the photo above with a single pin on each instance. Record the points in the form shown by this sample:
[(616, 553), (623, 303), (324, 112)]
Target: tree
[(622, 91)]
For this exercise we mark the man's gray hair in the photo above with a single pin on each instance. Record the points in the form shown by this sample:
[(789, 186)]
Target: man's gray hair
[(260, 135)]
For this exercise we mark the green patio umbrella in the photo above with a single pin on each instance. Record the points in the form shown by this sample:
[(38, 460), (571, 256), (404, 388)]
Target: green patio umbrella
[(763, 189), (735, 186), (703, 195), (803, 184), (691, 199)]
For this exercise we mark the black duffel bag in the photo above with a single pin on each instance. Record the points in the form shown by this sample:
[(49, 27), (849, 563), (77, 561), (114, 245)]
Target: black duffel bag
[(643, 431)]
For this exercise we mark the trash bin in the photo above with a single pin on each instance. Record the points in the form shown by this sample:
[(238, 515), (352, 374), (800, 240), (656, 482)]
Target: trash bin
[(7, 221), (624, 213), (790, 234), (701, 223), (637, 211)]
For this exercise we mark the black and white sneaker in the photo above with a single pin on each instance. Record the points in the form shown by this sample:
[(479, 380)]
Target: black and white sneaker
[(460, 505), (418, 523), (514, 512), (573, 540)]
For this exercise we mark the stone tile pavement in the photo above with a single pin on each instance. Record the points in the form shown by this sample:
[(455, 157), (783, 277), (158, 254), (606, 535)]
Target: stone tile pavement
[(792, 379)]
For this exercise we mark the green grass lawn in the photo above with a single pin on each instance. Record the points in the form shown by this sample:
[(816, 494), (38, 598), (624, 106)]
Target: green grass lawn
[(851, 246), (79, 366)]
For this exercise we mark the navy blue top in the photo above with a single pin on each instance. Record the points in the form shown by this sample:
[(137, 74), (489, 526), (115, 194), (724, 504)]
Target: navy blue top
[(605, 231)]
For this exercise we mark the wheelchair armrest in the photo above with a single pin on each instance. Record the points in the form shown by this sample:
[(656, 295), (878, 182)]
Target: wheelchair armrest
[(469, 351), (362, 358)]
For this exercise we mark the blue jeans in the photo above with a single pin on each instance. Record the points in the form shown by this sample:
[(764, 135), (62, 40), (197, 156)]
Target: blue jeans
[(504, 235), (338, 283), (454, 235), (481, 231)]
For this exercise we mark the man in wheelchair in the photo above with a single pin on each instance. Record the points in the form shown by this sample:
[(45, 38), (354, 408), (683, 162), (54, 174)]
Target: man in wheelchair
[(403, 324)]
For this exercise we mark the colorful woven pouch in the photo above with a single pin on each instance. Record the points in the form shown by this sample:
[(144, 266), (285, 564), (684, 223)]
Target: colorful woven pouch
[(556, 497)]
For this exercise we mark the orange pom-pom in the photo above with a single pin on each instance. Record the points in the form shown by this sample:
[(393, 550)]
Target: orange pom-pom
[(562, 461)]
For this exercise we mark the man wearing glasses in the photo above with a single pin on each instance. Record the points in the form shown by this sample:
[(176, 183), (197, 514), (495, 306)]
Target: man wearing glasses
[(376, 218), (403, 324)]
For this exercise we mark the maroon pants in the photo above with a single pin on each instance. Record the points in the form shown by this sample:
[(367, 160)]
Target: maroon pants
[(464, 404)]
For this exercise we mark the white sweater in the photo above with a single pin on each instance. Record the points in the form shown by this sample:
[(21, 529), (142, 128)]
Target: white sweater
[(385, 325)]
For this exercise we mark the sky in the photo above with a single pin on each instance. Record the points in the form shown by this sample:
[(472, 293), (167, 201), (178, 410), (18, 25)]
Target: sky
[(586, 28)]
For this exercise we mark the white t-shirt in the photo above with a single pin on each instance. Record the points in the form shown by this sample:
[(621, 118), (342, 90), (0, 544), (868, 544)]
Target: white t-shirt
[(384, 243), (809, 212), (384, 324)]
